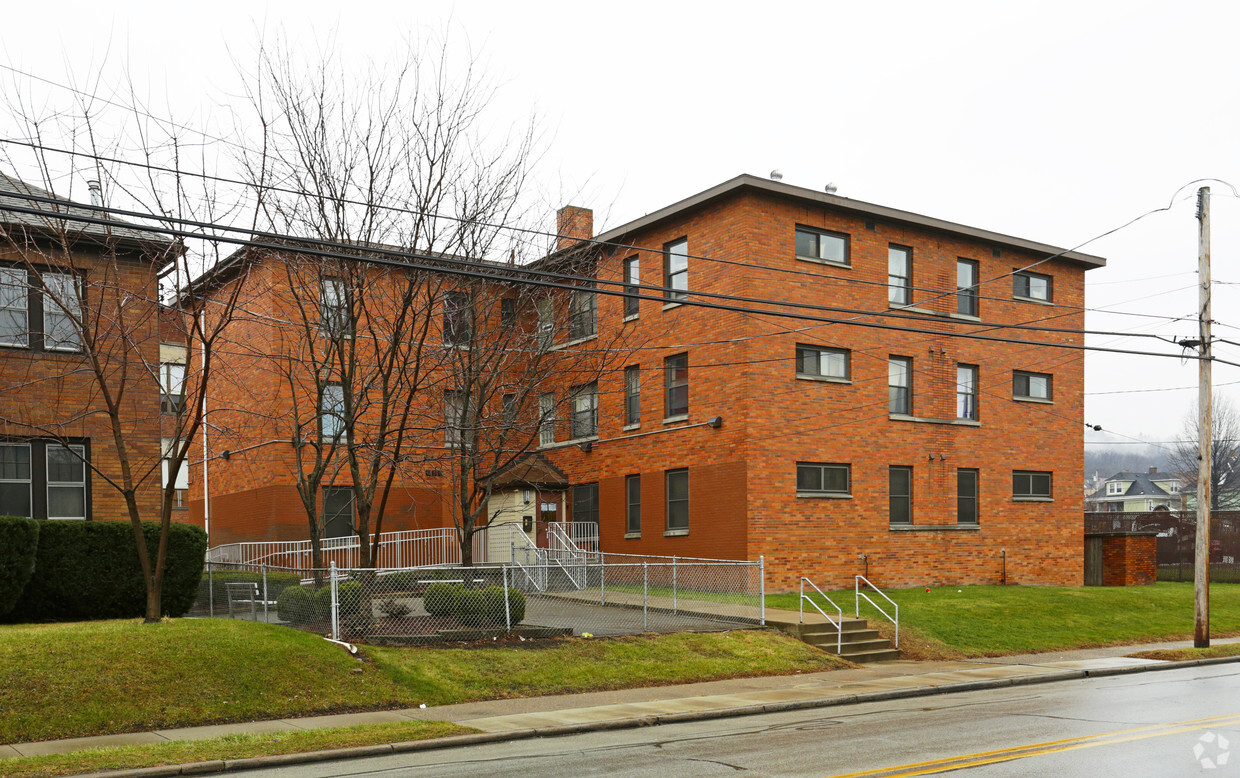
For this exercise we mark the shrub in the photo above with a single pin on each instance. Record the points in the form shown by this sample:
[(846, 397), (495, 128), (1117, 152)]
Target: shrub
[(348, 599), (403, 581), (19, 543), (471, 606), (516, 605), (295, 605), (90, 570), (277, 582), (440, 599), (323, 604)]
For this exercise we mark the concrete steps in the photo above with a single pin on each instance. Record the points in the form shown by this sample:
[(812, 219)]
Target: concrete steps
[(858, 642)]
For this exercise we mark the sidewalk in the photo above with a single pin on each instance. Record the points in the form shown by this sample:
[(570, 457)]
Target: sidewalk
[(565, 714)]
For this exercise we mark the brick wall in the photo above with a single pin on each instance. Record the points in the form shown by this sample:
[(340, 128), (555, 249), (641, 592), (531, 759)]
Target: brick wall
[(1129, 559)]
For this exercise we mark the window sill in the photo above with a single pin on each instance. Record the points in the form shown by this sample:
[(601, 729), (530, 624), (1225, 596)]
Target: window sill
[(631, 317), (933, 527), (1018, 298), (1033, 499), (964, 316), (669, 306), (630, 427), (826, 379), (573, 342), (632, 535), (911, 308), (674, 419), (823, 496), (566, 443), (676, 533), (1037, 400), (924, 420), (828, 262)]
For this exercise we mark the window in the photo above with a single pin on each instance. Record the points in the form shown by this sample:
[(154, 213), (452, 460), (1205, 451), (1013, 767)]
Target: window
[(676, 269), (632, 396), (678, 500), (337, 512), (171, 387), (1031, 286), (633, 505), (966, 392), (1031, 485), (457, 327), (815, 480), (507, 311), (966, 496), (585, 411), (1031, 386), (546, 324), (45, 479), (61, 312), (455, 419), (15, 480), (821, 246), (582, 313), (334, 318), (546, 419), (966, 287), (822, 362), (181, 485), (508, 405), (899, 275), (1116, 487), (677, 374), (632, 278), (585, 503), (14, 305), (900, 386), (900, 491), (66, 482), (331, 413)]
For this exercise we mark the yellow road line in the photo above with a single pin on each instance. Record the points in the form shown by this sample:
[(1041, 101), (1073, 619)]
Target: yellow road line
[(1041, 749)]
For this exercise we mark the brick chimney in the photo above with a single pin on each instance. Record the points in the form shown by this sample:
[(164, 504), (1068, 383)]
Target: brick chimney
[(1153, 470), (573, 224)]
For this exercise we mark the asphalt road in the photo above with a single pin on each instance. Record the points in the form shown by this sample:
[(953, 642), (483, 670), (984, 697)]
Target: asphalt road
[(1147, 724)]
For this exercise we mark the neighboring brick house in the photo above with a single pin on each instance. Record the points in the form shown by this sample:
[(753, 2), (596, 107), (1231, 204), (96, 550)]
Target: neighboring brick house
[(873, 440), (70, 292), (1137, 492)]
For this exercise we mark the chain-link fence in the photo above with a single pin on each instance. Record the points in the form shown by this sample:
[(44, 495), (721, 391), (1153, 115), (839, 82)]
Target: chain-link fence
[(594, 594)]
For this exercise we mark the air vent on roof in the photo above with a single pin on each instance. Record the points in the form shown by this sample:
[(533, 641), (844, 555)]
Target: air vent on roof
[(776, 175)]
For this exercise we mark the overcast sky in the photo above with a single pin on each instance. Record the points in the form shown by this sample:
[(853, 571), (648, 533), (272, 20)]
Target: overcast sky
[(1051, 121)]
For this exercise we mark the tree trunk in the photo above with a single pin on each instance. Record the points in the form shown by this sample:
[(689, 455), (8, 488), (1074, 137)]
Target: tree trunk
[(154, 599)]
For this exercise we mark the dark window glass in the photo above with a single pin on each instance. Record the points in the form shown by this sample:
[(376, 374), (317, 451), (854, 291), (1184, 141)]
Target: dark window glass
[(582, 314), (966, 496), (900, 386), (632, 395), (633, 503), (507, 311), (585, 503), (901, 495), (966, 392), (632, 278), (15, 480), (1031, 386), (678, 499), (334, 317), (899, 275), (585, 411), (822, 362), (966, 287), (171, 388), (1032, 286), (457, 324), (815, 478), (677, 370), (1031, 484), (337, 512), (822, 245)]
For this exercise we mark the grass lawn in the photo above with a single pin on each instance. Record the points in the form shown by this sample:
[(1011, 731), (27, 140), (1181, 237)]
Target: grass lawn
[(94, 678), (230, 747), (950, 621), (1181, 654)]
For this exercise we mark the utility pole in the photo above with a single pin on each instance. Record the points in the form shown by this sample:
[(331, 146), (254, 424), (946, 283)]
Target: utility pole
[(1205, 431)]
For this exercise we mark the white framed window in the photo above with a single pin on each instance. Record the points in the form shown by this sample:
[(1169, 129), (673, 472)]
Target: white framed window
[(15, 480), (1116, 487), (818, 479), (334, 318), (171, 387), (66, 482), (14, 307), (899, 275), (822, 246), (822, 362), (546, 416), (181, 485), (61, 312), (676, 269), (331, 413), (966, 392)]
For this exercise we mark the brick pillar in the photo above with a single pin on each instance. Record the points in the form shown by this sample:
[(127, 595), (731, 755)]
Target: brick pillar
[(573, 224)]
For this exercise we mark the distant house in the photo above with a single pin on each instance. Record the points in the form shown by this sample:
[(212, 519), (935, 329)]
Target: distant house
[(1127, 492)]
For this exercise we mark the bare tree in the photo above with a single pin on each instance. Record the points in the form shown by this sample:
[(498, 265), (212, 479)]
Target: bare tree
[(1225, 464)]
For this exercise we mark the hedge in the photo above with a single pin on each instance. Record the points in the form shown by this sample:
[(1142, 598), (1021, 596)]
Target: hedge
[(474, 606), (90, 570), (19, 541)]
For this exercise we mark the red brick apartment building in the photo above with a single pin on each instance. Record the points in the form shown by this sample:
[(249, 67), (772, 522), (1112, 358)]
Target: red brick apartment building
[(72, 292), (797, 382)]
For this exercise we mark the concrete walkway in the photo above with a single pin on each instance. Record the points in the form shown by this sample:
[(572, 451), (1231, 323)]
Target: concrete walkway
[(564, 714)]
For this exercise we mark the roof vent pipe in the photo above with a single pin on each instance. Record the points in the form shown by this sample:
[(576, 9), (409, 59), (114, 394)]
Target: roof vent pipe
[(776, 175), (96, 192)]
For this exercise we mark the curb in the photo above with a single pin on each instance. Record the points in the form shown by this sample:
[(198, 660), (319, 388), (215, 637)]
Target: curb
[(480, 738)]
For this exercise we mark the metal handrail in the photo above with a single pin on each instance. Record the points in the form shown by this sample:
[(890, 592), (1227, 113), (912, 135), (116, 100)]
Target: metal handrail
[(857, 604), (839, 625), (529, 578)]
